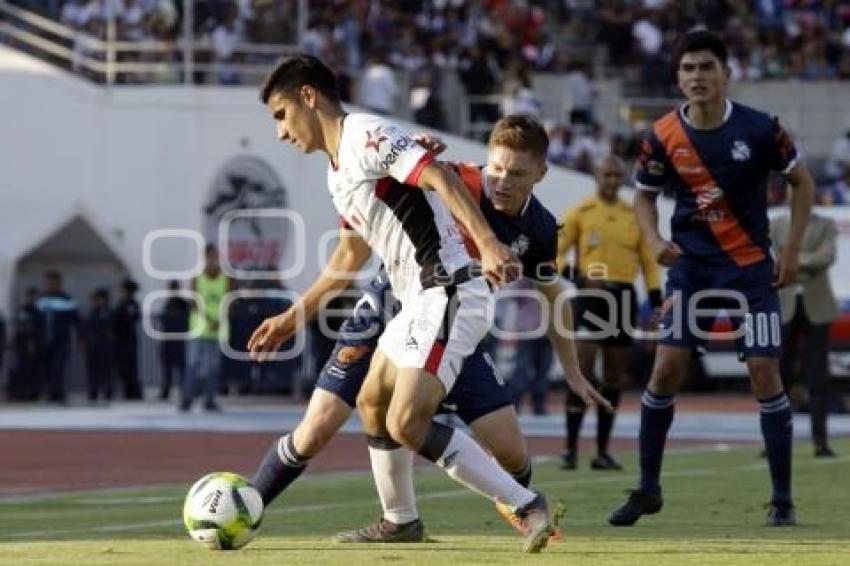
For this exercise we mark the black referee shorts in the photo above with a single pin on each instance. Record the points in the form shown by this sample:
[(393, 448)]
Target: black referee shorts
[(605, 312)]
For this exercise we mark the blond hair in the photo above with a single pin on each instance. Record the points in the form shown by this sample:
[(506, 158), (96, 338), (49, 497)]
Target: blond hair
[(520, 132)]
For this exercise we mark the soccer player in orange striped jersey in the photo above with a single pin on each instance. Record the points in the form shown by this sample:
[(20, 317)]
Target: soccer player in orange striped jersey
[(715, 155)]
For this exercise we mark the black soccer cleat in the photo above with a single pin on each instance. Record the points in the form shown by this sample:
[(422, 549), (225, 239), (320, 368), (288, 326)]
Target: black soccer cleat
[(385, 531), (781, 515), (824, 451), (569, 460), (605, 461), (639, 503)]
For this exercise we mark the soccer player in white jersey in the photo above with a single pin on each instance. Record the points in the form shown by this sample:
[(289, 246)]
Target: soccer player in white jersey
[(393, 198)]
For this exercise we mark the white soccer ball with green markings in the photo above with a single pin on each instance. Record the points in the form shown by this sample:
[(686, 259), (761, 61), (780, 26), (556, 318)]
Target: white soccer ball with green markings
[(223, 511)]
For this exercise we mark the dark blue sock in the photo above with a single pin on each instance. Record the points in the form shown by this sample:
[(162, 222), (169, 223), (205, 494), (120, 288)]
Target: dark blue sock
[(656, 416), (777, 428), (280, 467)]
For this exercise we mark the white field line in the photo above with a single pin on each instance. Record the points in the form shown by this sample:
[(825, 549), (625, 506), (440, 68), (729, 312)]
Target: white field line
[(433, 495), (126, 501)]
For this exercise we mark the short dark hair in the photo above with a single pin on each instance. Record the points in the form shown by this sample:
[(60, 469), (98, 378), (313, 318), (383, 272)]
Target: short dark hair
[(701, 40), (297, 71), (520, 132)]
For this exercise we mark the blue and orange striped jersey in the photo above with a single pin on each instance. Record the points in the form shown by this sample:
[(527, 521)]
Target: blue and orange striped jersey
[(532, 234), (719, 180)]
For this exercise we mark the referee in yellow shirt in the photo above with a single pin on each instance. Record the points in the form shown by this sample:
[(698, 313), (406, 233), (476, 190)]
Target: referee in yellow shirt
[(609, 252)]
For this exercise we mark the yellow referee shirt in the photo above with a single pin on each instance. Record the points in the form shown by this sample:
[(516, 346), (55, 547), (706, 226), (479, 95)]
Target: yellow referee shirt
[(610, 246)]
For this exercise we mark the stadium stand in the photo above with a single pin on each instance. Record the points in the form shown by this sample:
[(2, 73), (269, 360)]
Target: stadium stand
[(580, 65)]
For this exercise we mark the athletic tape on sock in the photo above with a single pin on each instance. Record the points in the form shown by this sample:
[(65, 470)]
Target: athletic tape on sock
[(436, 441), (382, 443)]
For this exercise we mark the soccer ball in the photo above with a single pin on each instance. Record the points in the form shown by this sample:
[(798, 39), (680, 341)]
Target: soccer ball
[(223, 511)]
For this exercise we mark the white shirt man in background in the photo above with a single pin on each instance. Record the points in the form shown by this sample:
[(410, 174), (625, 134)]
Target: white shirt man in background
[(379, 90)]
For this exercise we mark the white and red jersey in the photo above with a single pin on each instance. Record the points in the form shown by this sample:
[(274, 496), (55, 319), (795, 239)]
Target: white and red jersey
[(373, 185)]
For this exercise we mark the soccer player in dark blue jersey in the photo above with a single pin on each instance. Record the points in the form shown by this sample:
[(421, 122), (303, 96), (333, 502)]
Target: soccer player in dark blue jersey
[(716, 155)]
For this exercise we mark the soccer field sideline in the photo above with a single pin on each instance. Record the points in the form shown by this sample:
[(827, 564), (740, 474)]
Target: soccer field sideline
[(717, 424), (759, 465), (713, 517)]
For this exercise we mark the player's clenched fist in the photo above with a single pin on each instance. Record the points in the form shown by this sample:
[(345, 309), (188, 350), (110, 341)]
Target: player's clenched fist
[(499, 264), (273, 332), (666, 252), (432, 144)]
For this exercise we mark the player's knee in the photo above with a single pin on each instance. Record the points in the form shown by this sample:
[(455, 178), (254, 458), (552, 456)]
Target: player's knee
[(407, 428), (369, 409), (368, 400)]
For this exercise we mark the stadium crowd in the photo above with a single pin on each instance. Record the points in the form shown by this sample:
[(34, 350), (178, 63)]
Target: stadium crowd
[(768, 39), (493, 47)]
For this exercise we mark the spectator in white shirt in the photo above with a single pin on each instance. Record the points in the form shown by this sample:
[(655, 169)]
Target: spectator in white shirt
[(839, 157), (379, 91), (838, 193), (581, 92), (520, 97), (226, 38)]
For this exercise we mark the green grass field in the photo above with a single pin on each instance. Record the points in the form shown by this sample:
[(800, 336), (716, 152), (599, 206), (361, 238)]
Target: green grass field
[(713, 515)]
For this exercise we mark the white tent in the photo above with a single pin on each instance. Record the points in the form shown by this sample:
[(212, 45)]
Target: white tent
[(53, 237)]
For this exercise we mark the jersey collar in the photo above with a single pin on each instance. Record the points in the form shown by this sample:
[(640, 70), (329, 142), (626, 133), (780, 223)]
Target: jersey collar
[(684, 114), (335, 166)]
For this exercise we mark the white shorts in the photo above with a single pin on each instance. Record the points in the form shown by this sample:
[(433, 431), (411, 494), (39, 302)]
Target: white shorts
[(438, 328)]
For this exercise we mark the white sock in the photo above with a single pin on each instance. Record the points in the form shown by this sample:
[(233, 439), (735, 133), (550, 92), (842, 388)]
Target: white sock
[(467, 463), (393, 473)]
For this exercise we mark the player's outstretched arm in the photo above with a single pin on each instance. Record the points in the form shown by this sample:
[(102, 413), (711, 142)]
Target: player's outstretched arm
[(350, 254), (560, 320), (646, 211), (802, 197), (498, 262)]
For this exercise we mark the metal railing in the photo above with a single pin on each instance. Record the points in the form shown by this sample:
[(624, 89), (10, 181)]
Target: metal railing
[(109, 60)]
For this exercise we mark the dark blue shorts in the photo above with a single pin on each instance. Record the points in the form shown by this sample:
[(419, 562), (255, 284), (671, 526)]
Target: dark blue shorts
[(745, 294), (478, 390)]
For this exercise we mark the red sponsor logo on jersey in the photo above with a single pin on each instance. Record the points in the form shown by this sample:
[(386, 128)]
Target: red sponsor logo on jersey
[(374, 139)]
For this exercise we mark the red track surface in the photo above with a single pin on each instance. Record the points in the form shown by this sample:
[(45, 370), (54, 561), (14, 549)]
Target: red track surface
[(35, 461), (40, 461)]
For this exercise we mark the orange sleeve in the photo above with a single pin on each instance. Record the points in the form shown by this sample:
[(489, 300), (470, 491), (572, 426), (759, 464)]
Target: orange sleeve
[(471, 175)]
